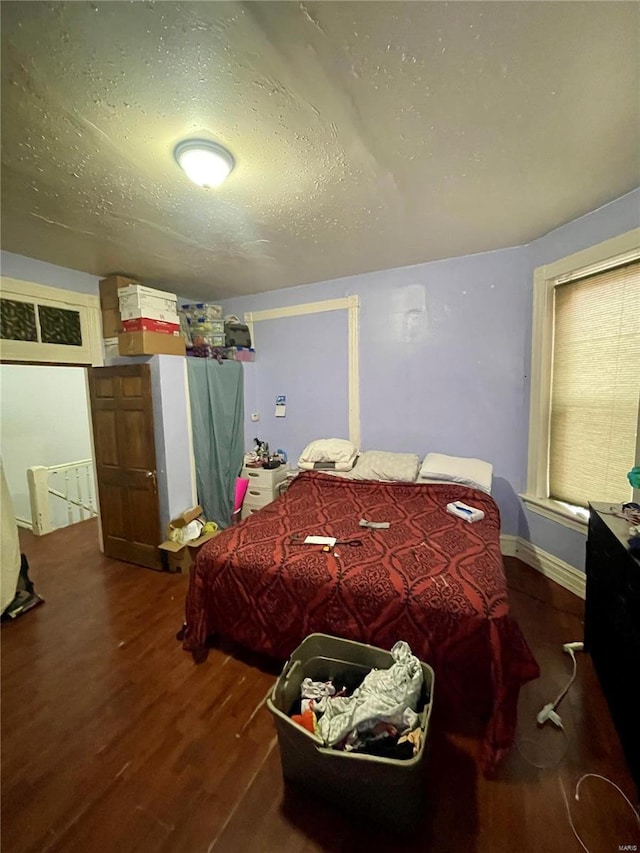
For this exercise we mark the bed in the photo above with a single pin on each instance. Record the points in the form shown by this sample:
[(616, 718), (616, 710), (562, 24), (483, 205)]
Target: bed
[(431, 579)]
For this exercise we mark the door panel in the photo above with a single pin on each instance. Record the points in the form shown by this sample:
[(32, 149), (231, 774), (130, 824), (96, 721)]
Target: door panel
[(122, 414), (111, 512), (104, 387), (104, 436), (142, 527), (132, 386), (136, 450)]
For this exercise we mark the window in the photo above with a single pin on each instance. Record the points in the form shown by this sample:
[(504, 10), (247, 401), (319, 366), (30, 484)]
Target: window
[(585, 380), (47, 324), (57, 325)]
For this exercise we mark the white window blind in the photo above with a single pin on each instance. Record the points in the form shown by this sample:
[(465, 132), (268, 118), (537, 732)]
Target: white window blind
[(595, 390)]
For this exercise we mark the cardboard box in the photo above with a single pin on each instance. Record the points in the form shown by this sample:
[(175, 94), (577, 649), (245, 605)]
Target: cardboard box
[(149, 312), (111, 322), (180, 557), (109, 287), (187, 517), (150, 343), (146, 324), (111, 347), (135, 289), (147, 306)]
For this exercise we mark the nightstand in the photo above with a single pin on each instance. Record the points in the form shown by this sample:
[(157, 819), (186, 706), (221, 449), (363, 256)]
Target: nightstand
[(263, 487)]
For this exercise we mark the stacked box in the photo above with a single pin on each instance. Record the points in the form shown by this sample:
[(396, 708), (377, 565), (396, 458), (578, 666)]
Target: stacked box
[(111, 320), (144, 324), (109, 288), (150, 343), (137, 301), (150, 322), (111, 349)]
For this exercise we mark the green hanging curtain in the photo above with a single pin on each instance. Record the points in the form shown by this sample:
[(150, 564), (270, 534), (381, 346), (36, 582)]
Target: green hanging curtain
[(217, 414)]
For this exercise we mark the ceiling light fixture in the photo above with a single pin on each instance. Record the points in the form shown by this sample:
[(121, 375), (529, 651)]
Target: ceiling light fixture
[(203, 162)]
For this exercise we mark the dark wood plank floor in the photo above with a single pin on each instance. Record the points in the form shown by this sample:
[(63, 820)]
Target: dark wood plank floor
[(113, 740)]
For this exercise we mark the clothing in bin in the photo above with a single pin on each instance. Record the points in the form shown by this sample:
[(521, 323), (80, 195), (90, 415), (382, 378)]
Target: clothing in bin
[(378, 717), (366, 781)]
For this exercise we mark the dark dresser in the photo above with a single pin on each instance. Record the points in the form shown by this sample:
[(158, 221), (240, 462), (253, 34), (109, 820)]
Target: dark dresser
[(612, 624)]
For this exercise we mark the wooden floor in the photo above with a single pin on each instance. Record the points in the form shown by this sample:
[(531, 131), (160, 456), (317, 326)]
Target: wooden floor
[(113, 740)]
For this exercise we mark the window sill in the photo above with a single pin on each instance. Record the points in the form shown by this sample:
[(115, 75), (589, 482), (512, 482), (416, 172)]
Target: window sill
[(558, 512)]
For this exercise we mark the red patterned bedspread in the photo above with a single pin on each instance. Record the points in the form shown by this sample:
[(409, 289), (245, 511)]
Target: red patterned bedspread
[(431, 579)]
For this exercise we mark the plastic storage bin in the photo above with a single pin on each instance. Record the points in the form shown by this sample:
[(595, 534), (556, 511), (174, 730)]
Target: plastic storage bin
[(386, 791), (202, 309)]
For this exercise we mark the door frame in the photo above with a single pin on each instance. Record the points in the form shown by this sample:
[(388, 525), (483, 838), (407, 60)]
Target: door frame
[(91, 354), (352, 305), (28, 352)]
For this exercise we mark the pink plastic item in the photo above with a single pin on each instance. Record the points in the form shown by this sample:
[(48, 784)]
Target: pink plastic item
[(242, 485)]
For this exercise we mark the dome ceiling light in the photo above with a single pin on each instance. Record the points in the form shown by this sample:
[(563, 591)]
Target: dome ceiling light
[(204, 162)]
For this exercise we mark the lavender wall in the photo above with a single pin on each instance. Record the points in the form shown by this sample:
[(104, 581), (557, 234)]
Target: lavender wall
[(444, 361), (303, 358), (29, 269), (442, 349)]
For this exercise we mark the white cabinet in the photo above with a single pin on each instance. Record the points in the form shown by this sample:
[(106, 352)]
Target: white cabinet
[(263, 487)]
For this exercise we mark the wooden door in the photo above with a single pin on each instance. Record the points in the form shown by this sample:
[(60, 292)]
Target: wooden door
[(122, 415)]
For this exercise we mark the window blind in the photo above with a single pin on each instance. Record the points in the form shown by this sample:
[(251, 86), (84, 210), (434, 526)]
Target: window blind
[(595, 390)]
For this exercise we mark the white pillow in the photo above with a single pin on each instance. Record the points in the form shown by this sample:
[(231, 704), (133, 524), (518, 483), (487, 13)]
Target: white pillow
[(384, 465), (329, 450), (457, 469)]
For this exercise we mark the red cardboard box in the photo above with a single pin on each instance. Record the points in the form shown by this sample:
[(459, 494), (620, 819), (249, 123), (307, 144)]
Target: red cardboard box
[(147, 324)]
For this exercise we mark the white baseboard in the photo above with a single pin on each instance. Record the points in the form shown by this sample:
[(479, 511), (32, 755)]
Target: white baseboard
[(508, 544), (25, 523), (550, 566)]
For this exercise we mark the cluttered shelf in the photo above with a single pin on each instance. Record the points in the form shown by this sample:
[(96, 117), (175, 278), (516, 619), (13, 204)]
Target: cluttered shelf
[(140, 320), (208, 335)]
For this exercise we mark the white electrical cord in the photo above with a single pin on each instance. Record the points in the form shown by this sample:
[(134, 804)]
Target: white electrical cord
[(549, 712), (577, 796), (564, 692)]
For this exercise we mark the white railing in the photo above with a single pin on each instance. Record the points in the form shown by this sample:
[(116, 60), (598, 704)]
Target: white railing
[(72, 488)]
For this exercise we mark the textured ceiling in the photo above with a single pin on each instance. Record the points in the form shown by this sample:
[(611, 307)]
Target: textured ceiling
[(366, 135)]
